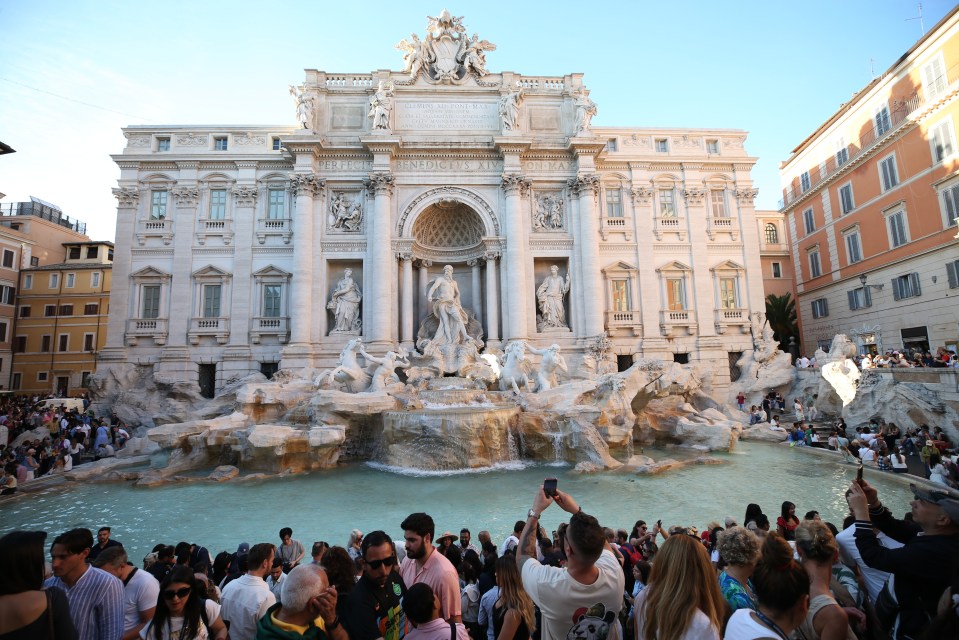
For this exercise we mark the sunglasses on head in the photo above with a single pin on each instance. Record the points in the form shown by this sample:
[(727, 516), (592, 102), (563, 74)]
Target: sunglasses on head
[(169, 594), (376, 564)]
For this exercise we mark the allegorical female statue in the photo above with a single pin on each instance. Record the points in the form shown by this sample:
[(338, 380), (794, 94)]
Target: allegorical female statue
[(345, 304), (550, 297)]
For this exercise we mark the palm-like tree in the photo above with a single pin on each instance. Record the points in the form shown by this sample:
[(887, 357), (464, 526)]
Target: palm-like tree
[(781, 315)]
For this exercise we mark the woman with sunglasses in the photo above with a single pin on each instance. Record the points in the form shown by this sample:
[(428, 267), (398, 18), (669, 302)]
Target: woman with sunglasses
[(182, 613)]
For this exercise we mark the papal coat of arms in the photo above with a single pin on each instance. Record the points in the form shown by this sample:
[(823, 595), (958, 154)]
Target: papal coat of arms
[(447, 55)]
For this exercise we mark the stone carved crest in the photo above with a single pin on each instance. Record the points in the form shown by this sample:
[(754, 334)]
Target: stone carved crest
[(249, 139), (139, 141), (549, 212), (346, 214), (191, 140), (447, 55)]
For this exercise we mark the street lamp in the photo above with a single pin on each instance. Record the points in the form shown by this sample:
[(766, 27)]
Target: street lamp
[(862, 280)]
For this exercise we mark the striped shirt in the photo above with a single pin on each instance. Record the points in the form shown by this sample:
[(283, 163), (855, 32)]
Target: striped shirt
[(96, 604)]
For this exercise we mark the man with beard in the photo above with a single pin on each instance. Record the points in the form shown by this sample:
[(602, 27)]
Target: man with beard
[(424, 564), (375, 609)]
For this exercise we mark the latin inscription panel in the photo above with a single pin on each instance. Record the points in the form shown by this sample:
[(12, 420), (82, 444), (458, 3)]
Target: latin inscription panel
[(446, 116)]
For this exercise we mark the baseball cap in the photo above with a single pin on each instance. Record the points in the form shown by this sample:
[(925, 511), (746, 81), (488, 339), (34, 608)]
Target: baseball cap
[(243, 548), (940, 498)]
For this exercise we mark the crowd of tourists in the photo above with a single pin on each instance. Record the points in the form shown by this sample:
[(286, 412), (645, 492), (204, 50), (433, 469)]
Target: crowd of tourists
[(77, 435), (893, 359), (778, 576)]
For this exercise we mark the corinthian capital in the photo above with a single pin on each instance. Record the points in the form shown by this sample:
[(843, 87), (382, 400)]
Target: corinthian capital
[(380, 182), (695, 195), (309, 184), (127, 196), (186, 196), (515, 184), (746, 196), (586, 183), (641, 195), (245, 195)]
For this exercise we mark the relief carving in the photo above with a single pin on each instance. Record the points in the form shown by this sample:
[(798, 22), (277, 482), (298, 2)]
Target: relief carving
[(346, 214), (549, 212)]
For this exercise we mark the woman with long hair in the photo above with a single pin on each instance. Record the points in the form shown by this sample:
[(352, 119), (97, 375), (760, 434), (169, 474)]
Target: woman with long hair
[(787, 521), (682, 600), (752, 512), (182, 612), (782, 587), (819, 550), (341, 572), (513, 617), (28, 611)]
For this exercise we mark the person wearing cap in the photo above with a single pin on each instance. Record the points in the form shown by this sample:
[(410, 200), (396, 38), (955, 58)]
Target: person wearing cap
[(921, 567)]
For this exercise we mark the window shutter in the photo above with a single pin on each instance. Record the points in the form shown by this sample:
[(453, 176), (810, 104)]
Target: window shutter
[(896, 294), (852, 299), (914, 284), (867, 297), (952, 270), (825, 307)]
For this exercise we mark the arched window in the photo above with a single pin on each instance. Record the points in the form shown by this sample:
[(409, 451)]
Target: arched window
[(772, 233)]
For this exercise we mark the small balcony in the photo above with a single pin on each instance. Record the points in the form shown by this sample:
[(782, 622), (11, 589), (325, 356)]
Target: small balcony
[(282, 227), (155, 228), (269, 326), (218, 328), (624, 322), (670, 224), (675, 322), (716, 225), (156, 329), (617, 225), (732, 318), (214, 229)]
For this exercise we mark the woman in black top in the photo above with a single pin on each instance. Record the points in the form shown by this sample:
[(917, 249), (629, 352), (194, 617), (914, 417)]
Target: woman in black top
[(27, 611), (513, 616)]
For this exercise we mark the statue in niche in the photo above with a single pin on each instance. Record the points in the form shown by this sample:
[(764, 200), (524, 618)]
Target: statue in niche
[(551, 363), (550, 296), (345, 214), (549, 213), (385, 373), (381, 106), (448, 310), (345, 304), (509, 107), (414, 56), (304, 107), (585, 110)]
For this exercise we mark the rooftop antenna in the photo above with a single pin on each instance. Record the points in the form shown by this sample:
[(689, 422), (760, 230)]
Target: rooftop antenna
[(922, 27), (872, 68)]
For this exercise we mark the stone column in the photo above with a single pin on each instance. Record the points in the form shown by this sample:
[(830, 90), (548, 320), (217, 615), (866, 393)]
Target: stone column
[(424, 282), (304, 188), (185, 200), (128, 198), (379, 274), (492, 300), (242, 297), (516, 289), (586, 187), (406, 305), (477, 289)]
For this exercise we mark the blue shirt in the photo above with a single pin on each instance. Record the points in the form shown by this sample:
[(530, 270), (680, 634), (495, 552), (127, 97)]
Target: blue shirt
[(486, 611), (735, 594), (96, 604)]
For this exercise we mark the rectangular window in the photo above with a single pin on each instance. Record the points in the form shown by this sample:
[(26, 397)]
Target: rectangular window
[(211, 301), (91, 309), (45, 343), (54, 280), (777, 270), (943, 144), (63, 344), (220, 143), (845, 198), (158, 201), (809, 220), (74, 253), (42, 376), (8, 257), (3, 331), (662, 145), (88, 342), (28, 281), (906, 286), (151, 301), (277, 204), (217, 204), (8, 294), (950, 197), (676, 294), (890, 177), (49, 310), (611, 145), (727, 293), (163, 144), (712, 147), (614, 203), (883, 123), (933, 79), (897, 228), (95, 279), (859, 298), (820, 308), (34, 261), (853, 247), (20, 344), (66, 309), (24, 312), (620, 295), (666, 207), (804, 181), (71, 280), (277, 145), (815, 268), (842, 152), (717, 203), (16, 383), (952, 271), (92, 252), (271, 300)]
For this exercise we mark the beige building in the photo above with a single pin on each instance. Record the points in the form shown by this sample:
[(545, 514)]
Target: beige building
[(778, 278), (62, 320)]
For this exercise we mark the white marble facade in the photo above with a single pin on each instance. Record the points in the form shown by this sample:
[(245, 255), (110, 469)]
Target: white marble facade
[(232, 241)]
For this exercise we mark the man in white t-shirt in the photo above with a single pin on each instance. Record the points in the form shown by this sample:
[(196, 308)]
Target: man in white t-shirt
[(584, 599), (140, 590), (509, 544)]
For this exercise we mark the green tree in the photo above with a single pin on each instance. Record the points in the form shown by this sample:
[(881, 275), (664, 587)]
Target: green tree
[(781, 315)]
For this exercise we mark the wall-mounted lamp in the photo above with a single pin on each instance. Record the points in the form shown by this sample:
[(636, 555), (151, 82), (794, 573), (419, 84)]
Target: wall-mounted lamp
[(862, 280)]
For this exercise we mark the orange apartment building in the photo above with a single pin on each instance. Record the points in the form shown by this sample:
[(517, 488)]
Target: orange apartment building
[(774, 254), (871, 200)]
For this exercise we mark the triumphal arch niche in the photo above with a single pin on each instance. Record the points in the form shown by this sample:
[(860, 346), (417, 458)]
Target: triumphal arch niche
[(609, 242)]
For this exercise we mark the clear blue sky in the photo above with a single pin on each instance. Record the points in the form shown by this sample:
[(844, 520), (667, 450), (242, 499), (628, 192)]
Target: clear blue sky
[(776, 69)]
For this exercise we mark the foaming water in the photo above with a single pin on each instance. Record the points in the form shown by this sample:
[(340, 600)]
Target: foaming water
[(512, 465), (326, 505)]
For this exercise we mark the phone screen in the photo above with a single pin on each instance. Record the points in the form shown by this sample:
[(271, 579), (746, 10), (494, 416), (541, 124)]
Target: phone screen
[(549, 487)]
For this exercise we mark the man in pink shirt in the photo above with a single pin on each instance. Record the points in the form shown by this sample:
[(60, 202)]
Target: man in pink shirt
[(422, 608), (424, 564)]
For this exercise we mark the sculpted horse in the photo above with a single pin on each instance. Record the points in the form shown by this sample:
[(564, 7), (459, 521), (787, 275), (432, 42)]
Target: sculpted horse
[(513, 370), (348, 372)]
